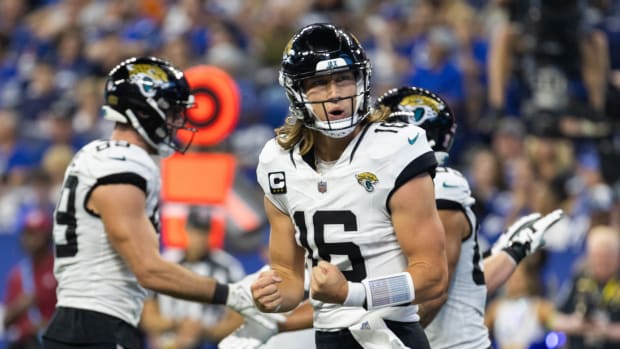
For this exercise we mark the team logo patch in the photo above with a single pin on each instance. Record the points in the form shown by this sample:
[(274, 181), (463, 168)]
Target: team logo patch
[(422, 108), (277, 182), (147, 77), (367, 180)]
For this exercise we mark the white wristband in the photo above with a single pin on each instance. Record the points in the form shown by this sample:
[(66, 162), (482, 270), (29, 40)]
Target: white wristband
[(356, 296), (379, 292), (390, 290)]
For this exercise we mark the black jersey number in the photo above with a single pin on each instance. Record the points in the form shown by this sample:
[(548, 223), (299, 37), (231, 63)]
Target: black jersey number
[(392, 127), (65, 215), (326, 249), (478, 274)]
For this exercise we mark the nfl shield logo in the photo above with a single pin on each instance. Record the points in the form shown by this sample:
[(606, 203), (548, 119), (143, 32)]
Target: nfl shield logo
[(322, 186)]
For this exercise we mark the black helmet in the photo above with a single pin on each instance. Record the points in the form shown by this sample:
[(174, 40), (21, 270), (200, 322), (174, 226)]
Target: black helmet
[(152, 96), (323, 49), (425, 109)]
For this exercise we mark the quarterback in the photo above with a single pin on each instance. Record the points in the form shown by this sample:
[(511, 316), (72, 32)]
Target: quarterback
[(351, 197)]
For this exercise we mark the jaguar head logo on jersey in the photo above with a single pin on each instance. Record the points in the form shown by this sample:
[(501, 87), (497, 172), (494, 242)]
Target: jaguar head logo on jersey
[(367, 180), (277, 182)]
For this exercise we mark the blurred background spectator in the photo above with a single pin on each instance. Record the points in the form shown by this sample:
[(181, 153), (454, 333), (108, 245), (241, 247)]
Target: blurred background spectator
[(173, 323), (534, 84), (592, 305), (518, 318), (30, 298)]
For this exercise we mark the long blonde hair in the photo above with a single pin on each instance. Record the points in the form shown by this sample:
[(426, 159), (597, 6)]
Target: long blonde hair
[(289, 134)]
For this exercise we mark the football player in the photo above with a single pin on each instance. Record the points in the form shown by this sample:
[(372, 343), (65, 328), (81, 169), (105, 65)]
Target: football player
[(461, 310), (106, 220), (353, 197)]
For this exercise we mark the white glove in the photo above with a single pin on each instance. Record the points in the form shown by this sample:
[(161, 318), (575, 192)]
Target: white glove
[(234, 342), (371, 332), (240, 300), (504, 239), (526, 235), (250, 335)]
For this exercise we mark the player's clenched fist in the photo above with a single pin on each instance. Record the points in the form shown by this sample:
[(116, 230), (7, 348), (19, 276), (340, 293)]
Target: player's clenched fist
[(328, 284), (265, 292)]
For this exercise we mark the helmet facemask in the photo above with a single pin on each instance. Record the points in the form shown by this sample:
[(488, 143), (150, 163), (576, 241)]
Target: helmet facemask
[(303, 109), (323, 49), (176, 119)]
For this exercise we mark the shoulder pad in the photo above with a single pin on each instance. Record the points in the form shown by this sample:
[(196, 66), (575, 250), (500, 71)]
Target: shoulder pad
[(451, 185), (396, 138)]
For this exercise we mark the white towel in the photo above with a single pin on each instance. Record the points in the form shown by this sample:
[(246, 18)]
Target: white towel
[(371, 332)]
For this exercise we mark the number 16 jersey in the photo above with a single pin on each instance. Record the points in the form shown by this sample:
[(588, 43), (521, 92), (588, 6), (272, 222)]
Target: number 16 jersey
[(341, 214), (91, 274)]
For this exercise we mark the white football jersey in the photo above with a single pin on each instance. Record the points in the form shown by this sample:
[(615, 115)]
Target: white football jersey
[(91, 274), (460, 322), (341, 215)]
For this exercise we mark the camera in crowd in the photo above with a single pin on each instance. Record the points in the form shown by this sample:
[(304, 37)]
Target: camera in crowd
[(550, 67)]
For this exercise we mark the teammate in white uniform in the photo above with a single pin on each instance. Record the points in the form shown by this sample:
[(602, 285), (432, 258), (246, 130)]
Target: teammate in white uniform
[(457, 319), (107, 221), (352, 195)]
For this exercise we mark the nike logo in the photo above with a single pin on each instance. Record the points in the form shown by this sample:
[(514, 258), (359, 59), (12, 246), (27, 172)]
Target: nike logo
[(120, 158), (414, 139), (446, 185)]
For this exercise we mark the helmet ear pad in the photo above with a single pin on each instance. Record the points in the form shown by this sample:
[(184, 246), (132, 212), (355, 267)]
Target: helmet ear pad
[(425, 109), (324, 49), (152, 96)]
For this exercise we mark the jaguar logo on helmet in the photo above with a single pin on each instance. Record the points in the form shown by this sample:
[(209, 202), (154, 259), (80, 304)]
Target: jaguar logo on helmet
[(421, 107), (147, 77), (425, 109), (367, 180)]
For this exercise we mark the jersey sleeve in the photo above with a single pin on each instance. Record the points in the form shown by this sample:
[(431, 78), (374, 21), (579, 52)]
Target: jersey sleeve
[(118, 163), (105, 162), (403, 150), (271, 180), (452, 190)]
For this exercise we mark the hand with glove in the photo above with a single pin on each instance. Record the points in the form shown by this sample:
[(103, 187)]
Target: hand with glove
[(250, 335), (526, 235), (240, 299)]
